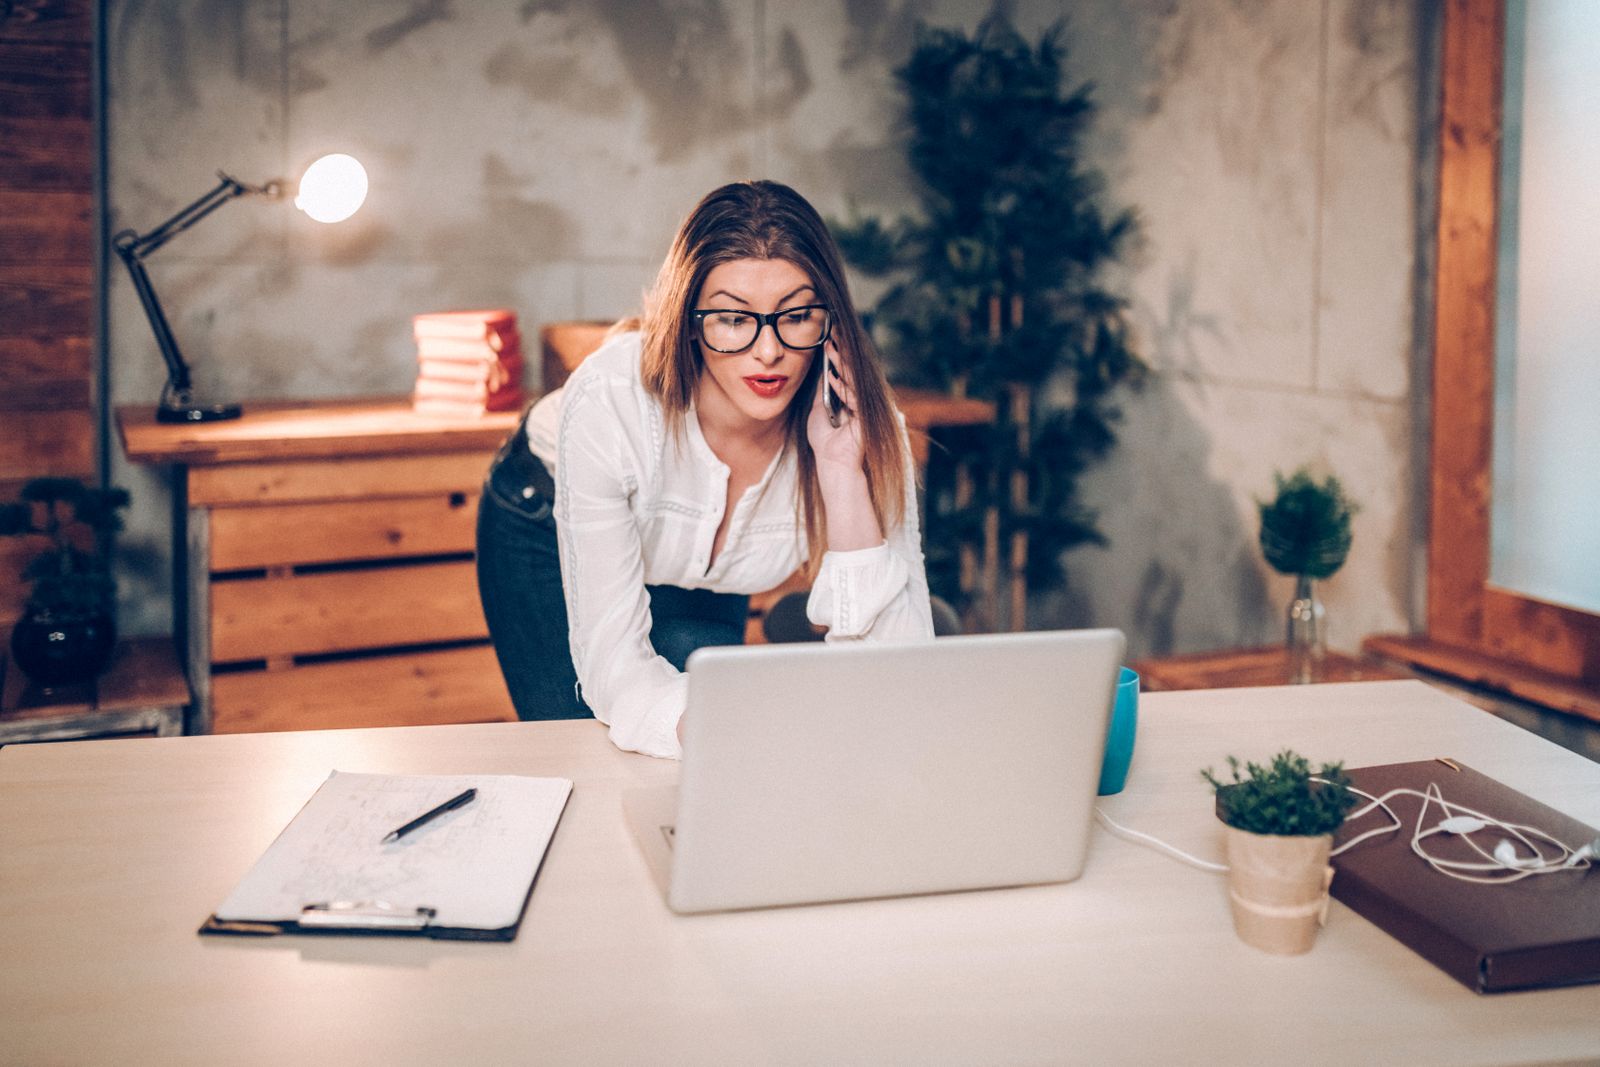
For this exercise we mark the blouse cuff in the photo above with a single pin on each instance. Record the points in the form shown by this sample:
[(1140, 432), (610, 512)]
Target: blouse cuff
[(852, 589), (652, 728)]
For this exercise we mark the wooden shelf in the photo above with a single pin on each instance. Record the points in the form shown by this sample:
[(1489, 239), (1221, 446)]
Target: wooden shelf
[(1232, 668), (143, 691), (1554, 691), (309, 429)]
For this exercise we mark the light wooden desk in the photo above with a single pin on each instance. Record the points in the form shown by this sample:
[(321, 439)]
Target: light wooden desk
[(111, 854)]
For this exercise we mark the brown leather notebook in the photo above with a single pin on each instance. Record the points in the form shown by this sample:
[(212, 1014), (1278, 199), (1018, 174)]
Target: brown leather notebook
[(1543, 930)]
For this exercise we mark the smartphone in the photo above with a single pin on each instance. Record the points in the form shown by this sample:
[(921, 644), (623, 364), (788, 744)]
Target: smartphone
[(830, 399)]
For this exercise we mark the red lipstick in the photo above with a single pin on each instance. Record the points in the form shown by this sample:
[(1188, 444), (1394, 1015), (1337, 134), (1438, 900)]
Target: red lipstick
[(766, 385)]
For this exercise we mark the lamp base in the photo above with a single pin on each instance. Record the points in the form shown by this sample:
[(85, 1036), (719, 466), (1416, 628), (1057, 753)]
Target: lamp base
[(198, 412)]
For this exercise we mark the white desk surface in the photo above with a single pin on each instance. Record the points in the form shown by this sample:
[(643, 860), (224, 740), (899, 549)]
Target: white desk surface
[(113, 852)]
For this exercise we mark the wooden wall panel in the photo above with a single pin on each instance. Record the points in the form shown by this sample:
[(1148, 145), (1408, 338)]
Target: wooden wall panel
[(49, 81), (44, 154), (46, 442), (46, 251), (35, 21), (46, 299), (46, 372), (41, 358), (45, 227)]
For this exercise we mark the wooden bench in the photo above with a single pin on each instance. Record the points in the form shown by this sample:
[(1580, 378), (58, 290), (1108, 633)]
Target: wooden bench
[(141, 693)]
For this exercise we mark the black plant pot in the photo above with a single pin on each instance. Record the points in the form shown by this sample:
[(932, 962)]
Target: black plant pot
[(59, 651)]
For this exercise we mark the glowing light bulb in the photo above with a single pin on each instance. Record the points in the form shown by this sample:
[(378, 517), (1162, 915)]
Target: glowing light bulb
[(332, 188)]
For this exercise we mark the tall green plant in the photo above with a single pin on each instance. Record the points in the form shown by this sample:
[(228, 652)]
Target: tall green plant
[(997, 292)]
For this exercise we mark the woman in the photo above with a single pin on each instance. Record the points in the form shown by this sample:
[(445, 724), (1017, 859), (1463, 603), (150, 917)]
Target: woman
[(692, 462)]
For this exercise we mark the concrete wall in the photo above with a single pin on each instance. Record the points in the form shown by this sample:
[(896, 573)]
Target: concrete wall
[(539, 155)]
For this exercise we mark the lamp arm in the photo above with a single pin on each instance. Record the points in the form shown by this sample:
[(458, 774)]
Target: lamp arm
[(132, 247), (178, 380), (227, 189)]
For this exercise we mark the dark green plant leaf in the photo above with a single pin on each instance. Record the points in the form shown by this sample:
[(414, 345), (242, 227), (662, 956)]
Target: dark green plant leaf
[(1281, 798), (1305, 528), (69, 579)]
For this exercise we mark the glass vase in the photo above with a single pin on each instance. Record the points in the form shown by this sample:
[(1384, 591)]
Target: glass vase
[(1307, 632)]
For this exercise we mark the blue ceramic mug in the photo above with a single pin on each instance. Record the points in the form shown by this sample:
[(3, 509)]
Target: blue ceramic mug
[(1119, 735)]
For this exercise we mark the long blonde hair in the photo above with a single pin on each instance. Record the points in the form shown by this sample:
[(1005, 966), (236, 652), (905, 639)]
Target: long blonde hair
[(768, 220)]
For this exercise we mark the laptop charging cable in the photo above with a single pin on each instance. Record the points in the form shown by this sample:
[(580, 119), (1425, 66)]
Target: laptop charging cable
[(1516, 855)]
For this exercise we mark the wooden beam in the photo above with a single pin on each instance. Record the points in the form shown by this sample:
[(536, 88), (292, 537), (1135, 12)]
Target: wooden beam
[(1463, 366)]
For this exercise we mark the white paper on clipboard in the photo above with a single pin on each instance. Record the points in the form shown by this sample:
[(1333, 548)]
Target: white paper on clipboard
[(473, 866)]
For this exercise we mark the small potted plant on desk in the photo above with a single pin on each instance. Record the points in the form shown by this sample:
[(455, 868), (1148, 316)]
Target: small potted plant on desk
[(1279, 822), (68, 627)]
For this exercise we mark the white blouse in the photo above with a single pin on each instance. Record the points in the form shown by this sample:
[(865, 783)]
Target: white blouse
[(636, 507)]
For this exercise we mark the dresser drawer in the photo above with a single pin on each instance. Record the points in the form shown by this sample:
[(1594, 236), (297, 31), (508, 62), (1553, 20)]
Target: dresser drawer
[(403, 689), (275, 535), (344, 610)]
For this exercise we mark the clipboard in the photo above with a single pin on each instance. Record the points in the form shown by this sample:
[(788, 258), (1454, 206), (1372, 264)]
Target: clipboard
[(465, 876)]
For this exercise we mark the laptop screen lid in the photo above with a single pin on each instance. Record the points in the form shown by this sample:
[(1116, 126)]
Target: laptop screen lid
[(833, 772)]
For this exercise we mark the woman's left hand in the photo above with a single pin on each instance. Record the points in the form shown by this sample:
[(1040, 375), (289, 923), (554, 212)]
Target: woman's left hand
[(839, 448), (841, 472)]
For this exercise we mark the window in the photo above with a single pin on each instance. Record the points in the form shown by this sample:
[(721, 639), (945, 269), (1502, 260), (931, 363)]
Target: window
[(1495, 629)]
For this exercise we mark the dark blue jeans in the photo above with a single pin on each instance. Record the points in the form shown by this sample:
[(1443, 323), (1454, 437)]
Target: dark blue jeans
[(519, 581)]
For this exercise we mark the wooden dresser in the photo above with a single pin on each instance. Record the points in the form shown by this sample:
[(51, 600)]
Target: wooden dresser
[(325, 564)]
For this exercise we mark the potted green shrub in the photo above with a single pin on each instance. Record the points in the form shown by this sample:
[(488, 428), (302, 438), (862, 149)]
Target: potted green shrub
[(1279, 821), (1305, 533), (68, 627), (1001, 287)]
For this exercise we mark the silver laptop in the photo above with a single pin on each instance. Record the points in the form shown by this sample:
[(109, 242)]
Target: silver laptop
[(836, 772)]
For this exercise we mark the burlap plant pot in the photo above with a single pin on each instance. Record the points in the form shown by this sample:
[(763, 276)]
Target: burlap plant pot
[(1278, 888)]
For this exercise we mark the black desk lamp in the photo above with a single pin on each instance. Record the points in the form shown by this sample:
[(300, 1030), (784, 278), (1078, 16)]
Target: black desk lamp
[(331, 190)]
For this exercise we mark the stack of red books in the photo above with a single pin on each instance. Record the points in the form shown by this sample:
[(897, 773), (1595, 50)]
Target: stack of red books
[(468, 362)]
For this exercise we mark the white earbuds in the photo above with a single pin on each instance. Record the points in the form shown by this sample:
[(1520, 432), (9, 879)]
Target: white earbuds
[(1506, 863)]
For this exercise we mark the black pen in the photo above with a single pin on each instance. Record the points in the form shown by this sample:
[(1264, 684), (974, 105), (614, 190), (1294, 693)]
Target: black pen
[(428, 816)]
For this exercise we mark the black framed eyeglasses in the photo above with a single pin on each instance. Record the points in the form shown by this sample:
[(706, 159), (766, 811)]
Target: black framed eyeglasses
[(731, 331)]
